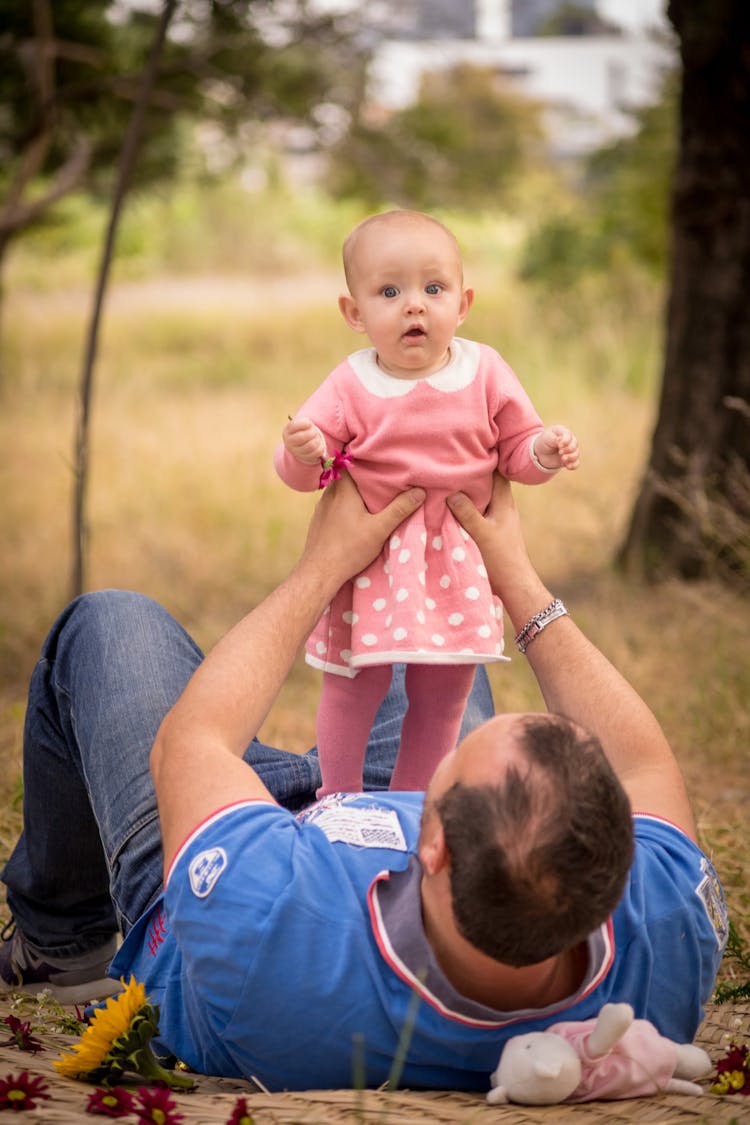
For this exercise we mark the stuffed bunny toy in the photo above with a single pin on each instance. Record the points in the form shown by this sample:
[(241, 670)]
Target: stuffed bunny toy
[(613, 1056)]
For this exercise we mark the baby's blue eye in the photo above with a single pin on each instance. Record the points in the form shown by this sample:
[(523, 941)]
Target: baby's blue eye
[(390, 291), (433, 289)]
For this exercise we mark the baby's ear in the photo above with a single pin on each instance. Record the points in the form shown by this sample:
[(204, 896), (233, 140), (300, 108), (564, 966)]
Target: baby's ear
[(467, 299), (350, 312)]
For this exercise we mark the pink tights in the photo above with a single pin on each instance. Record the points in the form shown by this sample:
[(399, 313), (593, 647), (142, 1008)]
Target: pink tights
[(437, 695)]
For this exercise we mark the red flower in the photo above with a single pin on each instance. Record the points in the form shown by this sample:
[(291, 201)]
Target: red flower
[(111, 1103), (733, 1072), (20, 1035), (240, 1114), (157, 1107), (333, 466), (21, 1093)]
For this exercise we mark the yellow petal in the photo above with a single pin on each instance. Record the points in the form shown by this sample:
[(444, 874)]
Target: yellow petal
[(107, 1025)]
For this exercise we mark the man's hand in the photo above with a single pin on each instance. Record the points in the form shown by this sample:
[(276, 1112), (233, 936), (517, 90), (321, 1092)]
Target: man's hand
[(575, 679), (343, 537), (557, 448), (498, 535), (304, 440)]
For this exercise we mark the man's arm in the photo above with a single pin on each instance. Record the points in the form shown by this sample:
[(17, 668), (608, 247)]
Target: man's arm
[(196, 760), (576, 680)]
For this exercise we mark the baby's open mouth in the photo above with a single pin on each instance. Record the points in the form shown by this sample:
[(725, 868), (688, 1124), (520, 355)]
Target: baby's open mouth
[(414, 332)]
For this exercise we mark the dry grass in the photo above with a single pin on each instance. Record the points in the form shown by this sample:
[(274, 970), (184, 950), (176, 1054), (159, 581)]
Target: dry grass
[(194, 381)]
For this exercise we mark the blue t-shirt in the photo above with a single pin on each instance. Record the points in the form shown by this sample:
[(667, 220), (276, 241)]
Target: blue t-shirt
[(291, 949)]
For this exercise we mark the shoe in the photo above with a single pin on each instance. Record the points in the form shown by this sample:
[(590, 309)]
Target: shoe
[(71, 980)]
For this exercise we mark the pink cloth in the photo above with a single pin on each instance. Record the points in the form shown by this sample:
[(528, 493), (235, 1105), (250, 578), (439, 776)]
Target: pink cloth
[(641, 1063), (426, 598)]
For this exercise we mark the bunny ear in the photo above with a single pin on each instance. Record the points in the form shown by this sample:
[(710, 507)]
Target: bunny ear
[(497, 1096)]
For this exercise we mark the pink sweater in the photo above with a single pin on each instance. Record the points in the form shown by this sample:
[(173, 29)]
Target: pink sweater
[(426, 599)]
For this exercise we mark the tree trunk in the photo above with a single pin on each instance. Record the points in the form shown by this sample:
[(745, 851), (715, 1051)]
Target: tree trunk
[(692, 517), (86, 386)]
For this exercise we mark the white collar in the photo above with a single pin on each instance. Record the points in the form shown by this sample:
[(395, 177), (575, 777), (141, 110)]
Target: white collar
[(458, 372), (395, 913)]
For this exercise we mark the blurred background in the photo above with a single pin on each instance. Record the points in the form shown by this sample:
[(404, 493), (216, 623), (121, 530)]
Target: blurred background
[(176, 180)]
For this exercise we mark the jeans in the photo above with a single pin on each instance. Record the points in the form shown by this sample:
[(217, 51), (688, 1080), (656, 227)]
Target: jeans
[(89, 859)]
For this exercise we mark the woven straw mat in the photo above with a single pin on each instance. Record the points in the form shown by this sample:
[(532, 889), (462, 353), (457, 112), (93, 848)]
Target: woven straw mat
[(214, 1098)]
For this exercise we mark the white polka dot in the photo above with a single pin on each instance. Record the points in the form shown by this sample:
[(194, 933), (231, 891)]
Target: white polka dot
[(379, 604), (404, 555), (420, 617), (482, 570), (445, 582), (455, 619), (346, 655), (484, 631), (500, 649), (369, 639), (471, 593), (399, 634), (467, 652), (429, 603), (349, 617), (395, 542), (438, 640), (423, 538), (437, 542), (458, 553), (386, 568), (320, 648), (388, 621), (362, 582), (402, 594), (421, 578), (463, 533)]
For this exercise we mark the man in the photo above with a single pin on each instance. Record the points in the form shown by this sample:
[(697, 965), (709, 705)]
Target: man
[(295, 949)]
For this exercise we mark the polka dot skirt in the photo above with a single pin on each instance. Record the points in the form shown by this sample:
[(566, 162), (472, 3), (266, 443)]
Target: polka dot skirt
[(425, 600)]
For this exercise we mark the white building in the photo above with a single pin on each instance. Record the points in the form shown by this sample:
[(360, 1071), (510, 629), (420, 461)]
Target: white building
[(588, 82)]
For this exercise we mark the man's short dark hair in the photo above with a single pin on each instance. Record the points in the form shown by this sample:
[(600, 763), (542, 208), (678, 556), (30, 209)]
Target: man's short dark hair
[(540, 859)]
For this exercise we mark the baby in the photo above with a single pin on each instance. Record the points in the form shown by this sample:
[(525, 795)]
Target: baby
[(420, 407)]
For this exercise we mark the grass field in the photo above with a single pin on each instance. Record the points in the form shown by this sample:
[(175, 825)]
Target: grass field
[(195, 377)]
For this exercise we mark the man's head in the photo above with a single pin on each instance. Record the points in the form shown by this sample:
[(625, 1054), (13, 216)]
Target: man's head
[(537, 835)]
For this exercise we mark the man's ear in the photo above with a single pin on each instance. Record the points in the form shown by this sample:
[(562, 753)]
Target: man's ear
[(350, 312), (433, 853), (467, 299)]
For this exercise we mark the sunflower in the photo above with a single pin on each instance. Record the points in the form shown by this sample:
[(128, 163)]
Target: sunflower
[(117, 1042)]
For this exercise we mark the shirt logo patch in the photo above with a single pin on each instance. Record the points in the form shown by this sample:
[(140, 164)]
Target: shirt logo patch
[(711, 895), (361, 827), (205, 869)]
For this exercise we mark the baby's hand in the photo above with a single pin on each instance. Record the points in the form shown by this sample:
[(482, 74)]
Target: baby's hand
[(304, 440), (556, 447)]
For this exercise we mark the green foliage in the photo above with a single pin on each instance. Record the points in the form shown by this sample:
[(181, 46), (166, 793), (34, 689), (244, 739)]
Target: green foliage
[(465, 142), (89, 91), (573, 18), (733, 991), (620, 212), (629, 181), (226, 63)]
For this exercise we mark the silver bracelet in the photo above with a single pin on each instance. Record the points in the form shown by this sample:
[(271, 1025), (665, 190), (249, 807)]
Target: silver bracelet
[(539, 621)]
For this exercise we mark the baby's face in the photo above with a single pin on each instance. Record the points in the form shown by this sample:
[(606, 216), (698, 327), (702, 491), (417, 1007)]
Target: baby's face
[(407, 294)]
